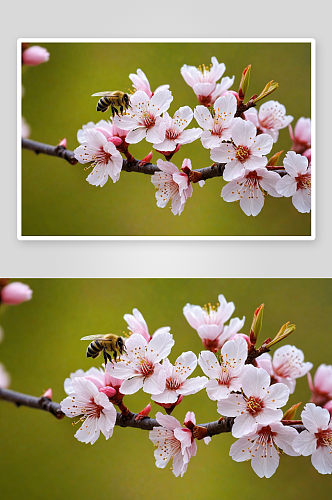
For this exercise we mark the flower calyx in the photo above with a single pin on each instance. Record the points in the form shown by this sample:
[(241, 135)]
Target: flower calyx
[(193, 175)]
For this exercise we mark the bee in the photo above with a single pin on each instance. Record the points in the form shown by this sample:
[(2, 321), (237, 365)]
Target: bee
[(109, 343), (114, 100)]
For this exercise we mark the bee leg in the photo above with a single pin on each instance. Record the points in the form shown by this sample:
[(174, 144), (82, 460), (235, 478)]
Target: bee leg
[(114, 110), (121, 110), (109, 357), (105, 356)]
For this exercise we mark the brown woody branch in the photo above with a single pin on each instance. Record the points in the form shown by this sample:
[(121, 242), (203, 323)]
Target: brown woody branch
[(147, 423), (215, 170)]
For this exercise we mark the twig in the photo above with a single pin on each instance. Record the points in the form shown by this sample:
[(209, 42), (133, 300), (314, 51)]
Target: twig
[(41, 403), (215, 170), (147, 423), (40, 147)]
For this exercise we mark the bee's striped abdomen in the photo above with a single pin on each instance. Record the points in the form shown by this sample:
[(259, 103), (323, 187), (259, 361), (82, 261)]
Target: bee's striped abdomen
[(94, 349), (103, 104)]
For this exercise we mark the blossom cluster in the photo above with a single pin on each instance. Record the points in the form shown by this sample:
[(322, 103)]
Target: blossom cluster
[(247, 384), (239, 141)]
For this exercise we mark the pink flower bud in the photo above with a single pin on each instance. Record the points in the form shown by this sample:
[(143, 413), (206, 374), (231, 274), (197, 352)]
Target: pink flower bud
[(235, 94), (63, 143), (48, 394), (109, 391), (144, 413), (190, 420), (243, 336), (15, 293), (116, 141), (35, 55), (146, 159)]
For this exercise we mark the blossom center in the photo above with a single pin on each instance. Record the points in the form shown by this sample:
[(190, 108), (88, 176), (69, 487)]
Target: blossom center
[(210, 314), (274, 120), (324, 438), (224, 376), (265, 435), (102, 156), (171, 134), (146, 367), (92, 409), (172, 384), (304, 182), (254, 406), (148, 120), (242, 153)]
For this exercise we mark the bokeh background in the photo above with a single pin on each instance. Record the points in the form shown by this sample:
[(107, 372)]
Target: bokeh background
[(56, 199), (40, 456)]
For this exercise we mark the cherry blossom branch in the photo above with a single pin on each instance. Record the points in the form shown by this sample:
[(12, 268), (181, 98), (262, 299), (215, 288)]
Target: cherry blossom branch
[(41, 403), (60, 151), (202, 430), (215, 170)]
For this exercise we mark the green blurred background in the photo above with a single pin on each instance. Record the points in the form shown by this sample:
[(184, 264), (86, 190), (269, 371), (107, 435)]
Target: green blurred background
[(56, 199), (41, 458)]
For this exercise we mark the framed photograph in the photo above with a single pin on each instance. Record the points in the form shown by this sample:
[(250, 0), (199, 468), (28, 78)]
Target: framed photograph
[(188, 347), (166, 139)]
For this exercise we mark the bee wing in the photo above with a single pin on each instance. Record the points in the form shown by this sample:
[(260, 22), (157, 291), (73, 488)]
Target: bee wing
[(93, 337), (108, 92)]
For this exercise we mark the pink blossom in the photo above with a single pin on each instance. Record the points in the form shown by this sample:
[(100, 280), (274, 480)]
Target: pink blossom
[(106, 160), (286, 366), (15, 293), (143, 120), (209, 322), (246, 152), (259, 402), (175, 133), (35, 55), (249, 189), (261, 447), (270, 119), (137, 324), (140, 82), (107, 128), (172, 441), (4, 377), (140, 367), (321, 388), (25, 129), (316, 440), (218, 125), (172, 185), (203, 80), (97, 413), (297, 183), (177, 382), (101, 379), (225, 375), (302, 135)]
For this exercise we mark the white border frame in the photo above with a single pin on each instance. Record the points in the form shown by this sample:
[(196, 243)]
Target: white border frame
[(312, 41)]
